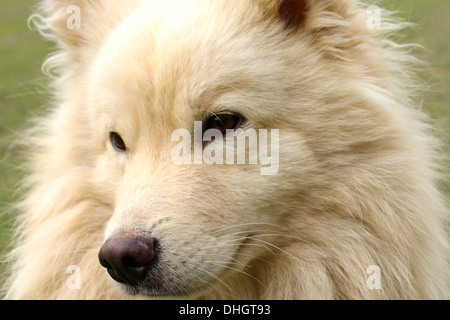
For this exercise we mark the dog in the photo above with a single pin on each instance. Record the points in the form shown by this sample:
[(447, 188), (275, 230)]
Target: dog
[(328, 189)]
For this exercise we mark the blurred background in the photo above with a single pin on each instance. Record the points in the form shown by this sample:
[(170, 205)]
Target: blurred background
[(23, 91)]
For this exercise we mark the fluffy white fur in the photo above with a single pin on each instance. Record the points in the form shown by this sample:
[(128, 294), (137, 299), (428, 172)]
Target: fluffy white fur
[(357, 180)]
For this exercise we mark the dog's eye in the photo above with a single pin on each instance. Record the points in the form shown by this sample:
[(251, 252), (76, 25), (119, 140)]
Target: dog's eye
[(224, 122), (117, 142)]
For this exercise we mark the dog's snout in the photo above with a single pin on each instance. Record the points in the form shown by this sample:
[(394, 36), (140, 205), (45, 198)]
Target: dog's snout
[(128, 259)]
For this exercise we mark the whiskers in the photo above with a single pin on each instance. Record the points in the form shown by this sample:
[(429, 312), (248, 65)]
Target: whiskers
[(249, 242)]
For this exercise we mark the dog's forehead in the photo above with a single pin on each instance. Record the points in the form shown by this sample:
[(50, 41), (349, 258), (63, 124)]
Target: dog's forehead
[(165, 52)]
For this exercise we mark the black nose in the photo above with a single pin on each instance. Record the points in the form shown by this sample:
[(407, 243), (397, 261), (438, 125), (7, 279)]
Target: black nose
[(127, 259)]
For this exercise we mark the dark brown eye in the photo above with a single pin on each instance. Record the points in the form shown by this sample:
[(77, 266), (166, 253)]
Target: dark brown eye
[(223, 122), (117, 142)]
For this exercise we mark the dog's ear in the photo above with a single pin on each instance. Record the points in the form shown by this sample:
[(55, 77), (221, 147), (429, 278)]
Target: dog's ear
[(60, 19), (73, 22), (335, 27), (292, 12), (309, 14)]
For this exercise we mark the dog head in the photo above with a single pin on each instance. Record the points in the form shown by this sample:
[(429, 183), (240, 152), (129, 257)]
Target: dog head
[(266, 72)]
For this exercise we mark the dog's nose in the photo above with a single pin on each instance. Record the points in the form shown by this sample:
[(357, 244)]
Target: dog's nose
[(127, 259)]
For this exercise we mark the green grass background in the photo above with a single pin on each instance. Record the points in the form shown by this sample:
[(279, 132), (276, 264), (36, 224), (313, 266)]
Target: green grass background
[(22, 89)]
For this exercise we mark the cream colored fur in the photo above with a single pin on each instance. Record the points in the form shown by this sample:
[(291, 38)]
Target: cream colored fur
[(356, 185)]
